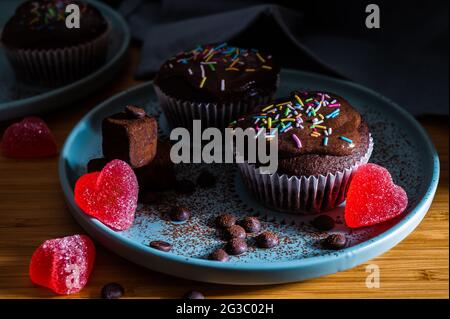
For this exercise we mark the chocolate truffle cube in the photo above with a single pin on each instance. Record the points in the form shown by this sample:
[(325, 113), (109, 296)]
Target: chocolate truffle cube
[(130, 136), (159, 174), (96, 164)]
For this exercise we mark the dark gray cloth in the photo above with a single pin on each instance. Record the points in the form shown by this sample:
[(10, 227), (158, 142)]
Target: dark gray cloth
[(406, 59)]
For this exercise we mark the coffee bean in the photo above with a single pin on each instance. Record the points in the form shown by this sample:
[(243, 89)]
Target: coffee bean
[(225, 221), (335, 241), (251, 224), (161, 245), (179, 214), (184, 187), (267, 240), (148, 197), (219, 255), (236, 246), (323, 222), (206, 179), (234, 231), (193, 295), (135, 112), (112, 291)]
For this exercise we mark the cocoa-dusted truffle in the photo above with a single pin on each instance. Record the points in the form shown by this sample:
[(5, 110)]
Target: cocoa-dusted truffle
[(96, 164), (130, 137), (158, 175)]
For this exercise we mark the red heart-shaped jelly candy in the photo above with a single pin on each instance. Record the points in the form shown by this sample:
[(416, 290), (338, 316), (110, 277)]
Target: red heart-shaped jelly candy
[(63, 264), (110, 195), (373, 197), (28, 139)]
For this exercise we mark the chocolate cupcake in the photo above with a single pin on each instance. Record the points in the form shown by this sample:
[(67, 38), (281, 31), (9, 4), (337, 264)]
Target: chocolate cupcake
[(44, 51), (215, 84), (322, 139)]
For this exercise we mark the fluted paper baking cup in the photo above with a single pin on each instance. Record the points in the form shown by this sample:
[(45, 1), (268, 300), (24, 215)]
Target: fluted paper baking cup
[(54, 67), (181, 113), (300, 194)]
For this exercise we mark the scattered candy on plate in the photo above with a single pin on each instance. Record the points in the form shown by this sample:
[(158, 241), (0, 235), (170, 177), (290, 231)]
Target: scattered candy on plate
[(63, 264), (110, 195), (373, 197), (30, 138)]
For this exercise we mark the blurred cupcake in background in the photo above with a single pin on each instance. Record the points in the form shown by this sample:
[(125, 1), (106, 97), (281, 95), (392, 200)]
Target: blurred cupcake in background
[(44, 51), (215, 83)]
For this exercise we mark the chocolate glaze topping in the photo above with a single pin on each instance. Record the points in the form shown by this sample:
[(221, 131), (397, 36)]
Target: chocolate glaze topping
[(218, 73), (42, 25), (318, 132), (308, 116)]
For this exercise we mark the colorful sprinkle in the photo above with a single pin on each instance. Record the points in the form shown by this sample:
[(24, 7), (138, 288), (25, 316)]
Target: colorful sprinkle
[(221, 55), (260, 58), (346, 139), (297, 141), (299, 100), (267, 108), (202, 68), (285, 127), (203, 82), (260, 131), (332, 114), (303, 107)]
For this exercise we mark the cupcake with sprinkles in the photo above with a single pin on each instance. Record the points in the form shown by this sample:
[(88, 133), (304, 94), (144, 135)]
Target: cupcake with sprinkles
[(322, 139), (44, 51), (215, 83)]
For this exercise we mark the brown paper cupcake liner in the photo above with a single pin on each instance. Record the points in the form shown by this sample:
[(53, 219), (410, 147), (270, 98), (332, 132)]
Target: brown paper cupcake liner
[(181, 113), (54, 67), (300, 194)]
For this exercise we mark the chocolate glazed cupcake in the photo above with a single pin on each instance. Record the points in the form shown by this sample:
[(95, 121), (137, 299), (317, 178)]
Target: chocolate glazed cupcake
[(42, 50), (322, 140), (215, 83)]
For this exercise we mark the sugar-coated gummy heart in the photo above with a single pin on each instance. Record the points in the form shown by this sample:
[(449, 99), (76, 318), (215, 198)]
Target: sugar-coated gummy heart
[(373, 197), (29, 138), (63, 264), (110, 195)]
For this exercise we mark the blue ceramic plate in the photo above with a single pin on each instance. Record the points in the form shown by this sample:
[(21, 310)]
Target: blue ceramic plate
[(18, 99), (401, 145)]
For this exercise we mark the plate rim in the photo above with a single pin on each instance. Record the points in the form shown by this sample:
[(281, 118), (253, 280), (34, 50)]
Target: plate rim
[(5, 106), (383, 241)]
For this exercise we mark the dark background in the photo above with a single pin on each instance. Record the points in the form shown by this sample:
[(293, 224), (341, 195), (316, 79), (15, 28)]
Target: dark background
[(406, 59)]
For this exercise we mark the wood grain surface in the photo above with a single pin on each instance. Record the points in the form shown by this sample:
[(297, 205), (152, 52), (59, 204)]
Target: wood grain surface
[(32, 210)]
